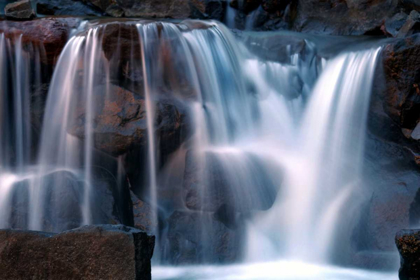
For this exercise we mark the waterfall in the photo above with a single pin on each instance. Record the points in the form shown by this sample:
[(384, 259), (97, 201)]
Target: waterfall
[(20, 80), (217, 140)]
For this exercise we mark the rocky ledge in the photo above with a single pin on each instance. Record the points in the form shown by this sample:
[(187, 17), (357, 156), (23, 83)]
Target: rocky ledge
[(90, 252)]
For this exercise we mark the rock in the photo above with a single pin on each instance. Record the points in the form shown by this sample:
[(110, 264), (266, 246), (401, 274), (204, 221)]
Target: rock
[(245, 6), (162, 8), (66, 8), (20, 10), (352, 17), (394, 24), (408, 244), (90, 252), (216, 9), (211, 181), (194, 237), (401, 95), (411, 26), (143, 215), (120, 121), (49, 33), (275, 6), (390, 183), (409, 5), (62, 198)]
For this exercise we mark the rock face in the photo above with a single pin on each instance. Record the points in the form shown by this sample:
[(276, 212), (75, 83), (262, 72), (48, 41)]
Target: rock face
[(91, 252), (50, 34), (408, 244), (401, 62), (66, 8), (20, 10)]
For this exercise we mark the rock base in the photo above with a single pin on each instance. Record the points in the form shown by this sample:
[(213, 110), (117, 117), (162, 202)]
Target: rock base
[(90, 252)]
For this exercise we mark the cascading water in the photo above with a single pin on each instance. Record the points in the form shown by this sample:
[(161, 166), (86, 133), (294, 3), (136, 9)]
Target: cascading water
[(20, 79), (275, 146)]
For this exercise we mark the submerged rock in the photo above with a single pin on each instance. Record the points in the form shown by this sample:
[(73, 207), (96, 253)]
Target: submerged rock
[(20, 10), (90, 252), (408, 244)]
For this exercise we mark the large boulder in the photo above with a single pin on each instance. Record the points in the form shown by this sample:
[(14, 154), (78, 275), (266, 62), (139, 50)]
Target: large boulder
[(20, 10), (408, 244), (90, 252), (121, 121)]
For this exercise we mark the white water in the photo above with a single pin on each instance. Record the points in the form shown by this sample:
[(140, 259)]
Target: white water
[(279, 270)]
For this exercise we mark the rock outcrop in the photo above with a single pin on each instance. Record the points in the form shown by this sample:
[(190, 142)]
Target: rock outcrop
[(90, 252), (48, 34), (408, 244), (20, 10)]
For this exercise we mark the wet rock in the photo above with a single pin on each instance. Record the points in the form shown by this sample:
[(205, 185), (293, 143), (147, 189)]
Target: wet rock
[(408, 244), (390, 183), (401, 95), (120, 121), (62, 198), (48, 34), (143, 215), (66, 8), (211, 180), (194, 237), (20, 10), (90, 252)]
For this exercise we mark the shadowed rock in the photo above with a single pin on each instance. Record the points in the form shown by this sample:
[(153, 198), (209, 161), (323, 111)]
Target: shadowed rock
[(20, 10), (408, 244)]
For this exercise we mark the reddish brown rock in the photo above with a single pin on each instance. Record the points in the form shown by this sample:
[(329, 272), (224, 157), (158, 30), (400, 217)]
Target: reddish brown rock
[(50, 34), (91, 252)]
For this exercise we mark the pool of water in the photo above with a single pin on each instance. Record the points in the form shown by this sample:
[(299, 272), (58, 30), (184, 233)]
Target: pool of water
[(281, 270)]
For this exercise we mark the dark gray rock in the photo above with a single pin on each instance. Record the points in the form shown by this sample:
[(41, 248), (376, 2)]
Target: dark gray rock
[(408, 244), (66, 8), (20, 10), (394, 24), (90, 252), (411, 26)]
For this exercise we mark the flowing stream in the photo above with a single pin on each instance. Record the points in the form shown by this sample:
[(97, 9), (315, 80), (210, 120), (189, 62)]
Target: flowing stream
[(275, 146)]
